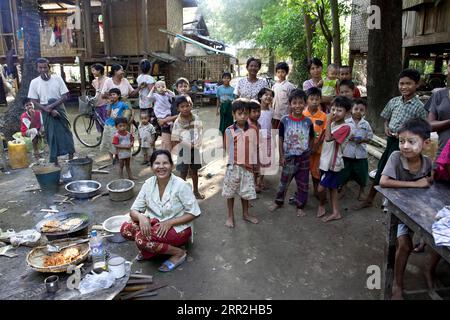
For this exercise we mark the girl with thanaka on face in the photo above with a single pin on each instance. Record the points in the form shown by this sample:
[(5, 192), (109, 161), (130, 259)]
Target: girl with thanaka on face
[(314, 67), (162, 103), (265, 97)]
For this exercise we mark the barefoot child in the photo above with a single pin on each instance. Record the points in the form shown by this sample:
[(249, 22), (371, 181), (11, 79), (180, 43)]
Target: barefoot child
[(241, 145), (147, 136), (187, 134), (115, 109), (296, 138), (396, 113), (282, 89), (319, 120), (123, 141), (356, 166), (265, 97), (225, 96), (253, 117), (407, 168), (331, 163)]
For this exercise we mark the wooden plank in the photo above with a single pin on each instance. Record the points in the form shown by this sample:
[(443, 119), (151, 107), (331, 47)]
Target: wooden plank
[(87, 27), (390, 248)]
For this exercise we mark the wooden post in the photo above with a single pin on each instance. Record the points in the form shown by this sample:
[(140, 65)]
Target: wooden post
[(390, 248), (106, 26), (87, 27), (83, 77), (145, 27)]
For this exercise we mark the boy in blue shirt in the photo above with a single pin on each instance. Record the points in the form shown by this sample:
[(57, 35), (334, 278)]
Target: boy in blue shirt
[(116, 109)]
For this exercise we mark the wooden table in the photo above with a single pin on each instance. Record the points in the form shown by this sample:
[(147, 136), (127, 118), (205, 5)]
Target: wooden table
[(417, 208)]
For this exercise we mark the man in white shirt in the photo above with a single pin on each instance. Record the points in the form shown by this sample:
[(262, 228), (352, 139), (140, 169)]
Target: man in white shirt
[(48, 93)]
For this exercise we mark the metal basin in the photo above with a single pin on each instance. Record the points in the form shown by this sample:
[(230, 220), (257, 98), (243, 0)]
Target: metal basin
[(83, 189), (120, 190), (113, 224)]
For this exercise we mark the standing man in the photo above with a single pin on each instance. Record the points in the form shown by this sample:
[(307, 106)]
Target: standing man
[(48, 93)]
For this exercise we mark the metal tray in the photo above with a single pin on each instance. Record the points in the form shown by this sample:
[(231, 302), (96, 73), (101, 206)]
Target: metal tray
[(64, 216)]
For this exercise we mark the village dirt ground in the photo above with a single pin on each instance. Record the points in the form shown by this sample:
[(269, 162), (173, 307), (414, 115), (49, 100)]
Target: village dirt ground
[(283, 257)]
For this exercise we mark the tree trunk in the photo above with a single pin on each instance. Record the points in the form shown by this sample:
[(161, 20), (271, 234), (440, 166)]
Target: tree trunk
[(30, 16), (329, 47), (271, 69), (309, 35), (384, 60), (336, 32)]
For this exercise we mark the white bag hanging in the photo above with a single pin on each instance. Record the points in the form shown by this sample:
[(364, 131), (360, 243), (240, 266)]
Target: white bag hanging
[(52, 40)]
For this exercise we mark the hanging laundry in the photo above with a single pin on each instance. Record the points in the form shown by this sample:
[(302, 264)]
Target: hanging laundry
[(70, 25)]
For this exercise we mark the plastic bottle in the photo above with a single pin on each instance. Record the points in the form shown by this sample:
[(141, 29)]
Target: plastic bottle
[(97, 252)]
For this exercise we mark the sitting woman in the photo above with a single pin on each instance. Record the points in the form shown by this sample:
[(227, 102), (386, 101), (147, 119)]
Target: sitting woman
[(162, 214)]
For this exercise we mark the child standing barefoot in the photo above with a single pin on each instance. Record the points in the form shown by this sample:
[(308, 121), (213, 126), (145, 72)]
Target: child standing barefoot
[(147, 136), (296, 138), (187, 133), (123, 141), (265, 97), (331, 162), (241, 145)]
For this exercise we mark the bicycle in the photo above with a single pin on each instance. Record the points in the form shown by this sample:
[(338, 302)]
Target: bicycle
[(88, 126)]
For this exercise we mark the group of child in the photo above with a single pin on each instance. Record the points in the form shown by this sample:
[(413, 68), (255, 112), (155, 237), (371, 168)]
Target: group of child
[(161, 113), (310, 140)]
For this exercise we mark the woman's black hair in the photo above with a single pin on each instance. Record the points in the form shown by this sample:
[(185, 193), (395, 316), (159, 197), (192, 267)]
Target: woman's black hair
[(158, 152), (263, 92), (315, 61), (145, 66), (180, 99), (99, 67), (282, 66), (251, 59), (114, 68)]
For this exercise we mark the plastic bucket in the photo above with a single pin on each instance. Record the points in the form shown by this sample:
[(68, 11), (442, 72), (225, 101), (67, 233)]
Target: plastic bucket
[(81, 169), (48, 177)]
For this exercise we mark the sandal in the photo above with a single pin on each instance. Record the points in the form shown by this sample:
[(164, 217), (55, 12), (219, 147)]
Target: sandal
[(170, 265)]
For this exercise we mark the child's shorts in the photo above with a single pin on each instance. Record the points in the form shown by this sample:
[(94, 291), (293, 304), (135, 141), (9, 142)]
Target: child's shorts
[(238, 181), (195, 163), (329, 179), (355, 169), (402, 230)]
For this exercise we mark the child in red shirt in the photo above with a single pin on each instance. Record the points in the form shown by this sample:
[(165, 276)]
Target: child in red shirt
[(31, 125)]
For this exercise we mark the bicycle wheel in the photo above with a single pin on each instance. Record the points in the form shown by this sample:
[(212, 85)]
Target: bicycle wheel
[(84, 126), (134, 131)]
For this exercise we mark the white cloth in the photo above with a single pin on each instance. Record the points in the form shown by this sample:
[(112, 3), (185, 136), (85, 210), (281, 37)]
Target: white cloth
[(124, 87), (146, 135), (162, 104), (144, 101), (362, 130), (265, 120), (43, 91), (177, 200), (441, 228), (282, 91)]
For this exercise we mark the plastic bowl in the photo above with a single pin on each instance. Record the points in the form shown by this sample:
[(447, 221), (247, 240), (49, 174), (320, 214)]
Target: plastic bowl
[(113, 224)]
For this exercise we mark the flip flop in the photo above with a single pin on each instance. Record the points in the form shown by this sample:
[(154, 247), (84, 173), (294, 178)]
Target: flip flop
[(170, 265)]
